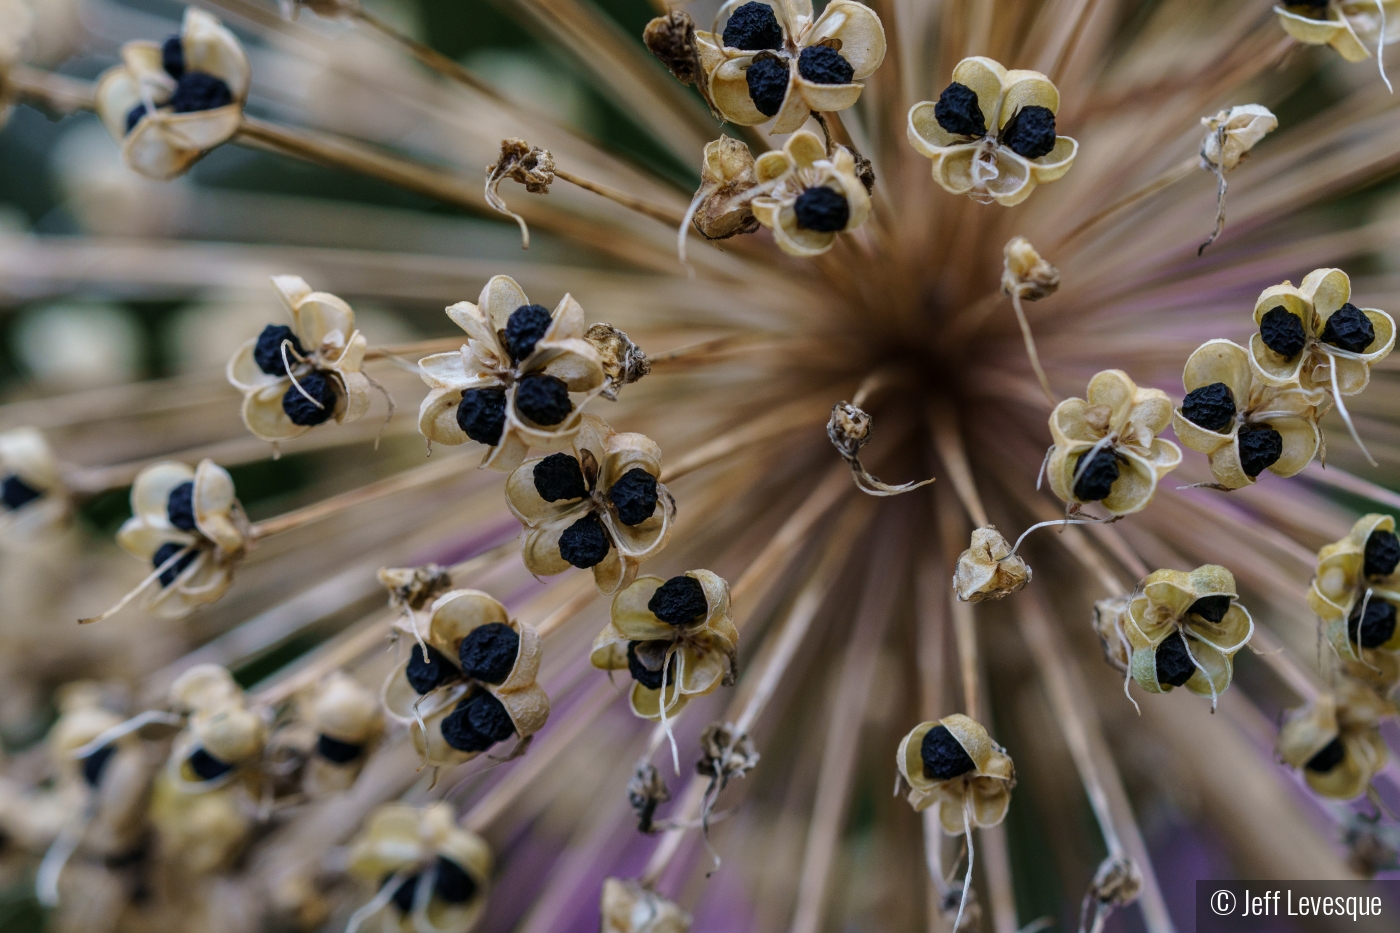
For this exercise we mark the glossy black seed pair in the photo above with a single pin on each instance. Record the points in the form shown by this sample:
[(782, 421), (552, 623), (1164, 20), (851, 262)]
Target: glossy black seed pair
[(1211, 407), (943, 755), (206, 767), (194, 90), (1096, 478), (1030, 133), (541, 398), (1382, 553), (487, 654), (15, 492), (336, 751), (767, 78), (634, 495), (822, 209), (453, 885), (168, 550), (1375, 627), (477, 723)]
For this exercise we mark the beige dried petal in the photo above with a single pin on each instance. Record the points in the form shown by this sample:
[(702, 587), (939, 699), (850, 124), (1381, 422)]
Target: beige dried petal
[(623, 361), (1025, 273), (531, 166), (1109, 616), (1334, 740), (988, 569), (628, 907)]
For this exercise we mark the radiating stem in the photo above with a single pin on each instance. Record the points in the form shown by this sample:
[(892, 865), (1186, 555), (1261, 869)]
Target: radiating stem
[(1171, 176), (789, 417), (431, 57), (666, 215)]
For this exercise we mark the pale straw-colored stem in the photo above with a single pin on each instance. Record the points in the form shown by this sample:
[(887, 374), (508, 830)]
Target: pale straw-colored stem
[(584, 593), (54, 91), (779, 421), (431, 57), (1031, 352), (666, 215), (948, 441), (419, 348), (1171, 176)]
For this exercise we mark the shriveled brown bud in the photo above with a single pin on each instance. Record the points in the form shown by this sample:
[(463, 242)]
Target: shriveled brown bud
[(531, 166), (645, 792), (1230, 134), (414, 587), (865, 171), (623, 361), (726, 173), (723, 754), (1116, 884), (1025, 274), (671, 38), (849, 431), (1108, 623), (988, 569)]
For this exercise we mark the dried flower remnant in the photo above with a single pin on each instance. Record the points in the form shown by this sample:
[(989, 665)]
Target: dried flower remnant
[(720, 208), (529, 165), (1117, 883), (1106, 446), (724, 757), (520, 381), (646, 790), (1230, 135), (34, 502), (849, 431), (347, 721), (991, 133), (777, 60), (1315, 337), (628, 907), (295, 378), (1184, 629), (1355, 592), (671, 38), (431, 875), (623, 361), (1335, 740), (1026, 276), (473, 686), (1345, 25), (989, 569), (168, 104), (1109, 617), (807, 195), (1243, 424)]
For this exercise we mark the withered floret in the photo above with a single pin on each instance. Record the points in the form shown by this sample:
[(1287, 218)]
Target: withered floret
[(1212, 407), (584, 543), (679, 601), (1349, 329), (336, 751), (482, 415), (559, 476), (822, 209), (753, 27), (1173, 660), (958, 113), (1382, 553), (767, 79), (543, 399), (428, 672), (525, 327), (1375, 628), (268, 352), (488, 652), (1331, 755), (180, 507), (821, 64), (1282, 332), (1260, 448), (477, 723), (303, 411), (1030, 133), (1096, 478), (634, 496), (1211, 608), (651, 679), (943, 755)]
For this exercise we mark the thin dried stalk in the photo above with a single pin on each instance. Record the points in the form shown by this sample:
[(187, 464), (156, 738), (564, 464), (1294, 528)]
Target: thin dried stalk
[(777, 422), (1182, 170)]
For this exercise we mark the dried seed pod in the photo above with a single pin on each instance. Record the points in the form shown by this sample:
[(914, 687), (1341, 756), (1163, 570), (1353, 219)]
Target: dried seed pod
[(1345, 25), (1117, 883), (991, 134), (34, 503), (720, 208), (1335, 740), (954, 764), (529, 165), (724, 756), (412, 588), (671, 38), (1025, 273), (167, 111), (294, 378), (808, 195), (1109, 617), (646, 790), (630, 908), (988, 569), (1355, 592), (623, 361), (346, 720), (1371, 846), (848, 429), (1230, 134)]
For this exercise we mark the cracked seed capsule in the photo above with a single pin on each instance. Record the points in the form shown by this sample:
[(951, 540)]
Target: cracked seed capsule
[(1378, 626), (453, 885), (16, 493), (644, 675), (943, 755), (1282, 332), (488, 653), (198, 90), (1031, 132), (1382, 553), (821, 64), (268, 352), (634, 496), (336, 751), (164, 553), (679, 601), (1211, 608), (95, 763), (958, 113), (1328, 757), (822, 209), (301, 410), (1260, 448), (180, 507), (206, 766), (1349, 329), (559, 476), (524, 328), (767, 80), (1211, 407), (426, 673), (1173, 661), (584, 544), (1096, 479), (404, 894), (172, 57), (753, 27), (477, 723), (543, 399), (481, 414)]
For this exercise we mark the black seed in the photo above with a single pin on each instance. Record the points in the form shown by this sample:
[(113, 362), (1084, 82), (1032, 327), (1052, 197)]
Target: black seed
[(584, 543), (15, 492), (95, 763), (167, 551), (268, 353), (301, 410), (1211, 608), (1376, 628), (477, 723), (524, 328), (1282, 332), (1096, 478), (1030, 133), (180, 507), (1260, 448), (403, 894), (768, 81), (337, 751), (958, 113), (752, 27), (543, 399), (206, 767), (944, 756), (488, 653), (482, 415), (198, 90), (1212, 407), (1328, 758), (559, 476), (821, 64), (1382, 553), (425, 673), (454, 885), (822, 209), (642, 674), (172, 57), (679, 601), (134, 115), (634, 496), (1349, 329), (1174, 664)]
